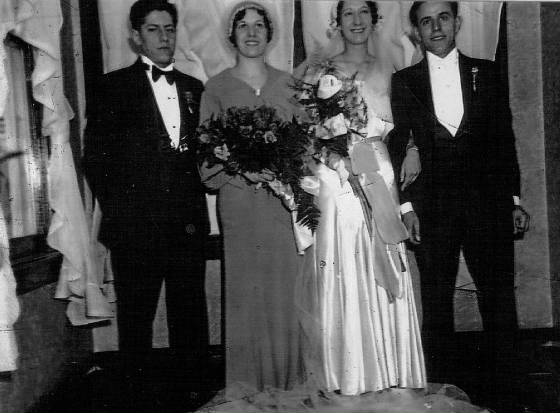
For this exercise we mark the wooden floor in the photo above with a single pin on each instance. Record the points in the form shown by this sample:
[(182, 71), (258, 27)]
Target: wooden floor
[(100, 388)]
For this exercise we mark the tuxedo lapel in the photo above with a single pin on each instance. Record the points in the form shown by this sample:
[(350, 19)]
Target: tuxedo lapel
[(465, 69), (187, 105), (184, 97), (150, 111), (421, 87)]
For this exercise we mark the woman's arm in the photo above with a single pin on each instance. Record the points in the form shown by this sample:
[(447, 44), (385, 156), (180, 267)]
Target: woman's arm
[(213, 177)]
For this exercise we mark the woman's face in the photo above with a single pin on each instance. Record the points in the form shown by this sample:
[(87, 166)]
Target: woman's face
[(355, 21), (251, 34)]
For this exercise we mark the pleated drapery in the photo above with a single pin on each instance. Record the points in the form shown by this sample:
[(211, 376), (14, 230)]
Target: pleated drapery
[(38, 23)]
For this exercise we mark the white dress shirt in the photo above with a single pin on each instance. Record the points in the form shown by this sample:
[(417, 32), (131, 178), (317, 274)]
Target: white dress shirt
[(447, 95), (167, 100)]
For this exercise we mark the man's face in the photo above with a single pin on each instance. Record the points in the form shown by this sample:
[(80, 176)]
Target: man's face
[(437, 27), (156, 38)]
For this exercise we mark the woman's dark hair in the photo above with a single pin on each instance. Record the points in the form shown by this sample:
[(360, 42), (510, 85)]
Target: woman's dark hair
[(241, 14), (372, 8), (142, 8), (413, 13)]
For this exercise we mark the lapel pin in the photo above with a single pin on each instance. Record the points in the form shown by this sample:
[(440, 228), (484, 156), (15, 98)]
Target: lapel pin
[(183, 144), (474, 72), (190, 101)]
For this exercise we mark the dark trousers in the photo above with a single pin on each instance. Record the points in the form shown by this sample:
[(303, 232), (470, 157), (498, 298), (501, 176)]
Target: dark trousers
[(487, 246), (153, 255)]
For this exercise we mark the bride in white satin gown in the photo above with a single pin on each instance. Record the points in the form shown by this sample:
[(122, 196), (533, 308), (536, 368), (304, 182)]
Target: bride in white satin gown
[(356, 302)]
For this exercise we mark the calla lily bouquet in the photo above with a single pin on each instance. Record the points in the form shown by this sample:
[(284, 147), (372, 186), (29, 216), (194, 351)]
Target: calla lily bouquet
[(334, 105)]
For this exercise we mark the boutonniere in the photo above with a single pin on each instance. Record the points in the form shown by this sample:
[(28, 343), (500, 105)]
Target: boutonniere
[(188, 96), (474, 72), (183, 144)]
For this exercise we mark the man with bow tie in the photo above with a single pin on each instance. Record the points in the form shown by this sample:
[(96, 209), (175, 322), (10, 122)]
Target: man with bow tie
[(140, 168), (467, 194)]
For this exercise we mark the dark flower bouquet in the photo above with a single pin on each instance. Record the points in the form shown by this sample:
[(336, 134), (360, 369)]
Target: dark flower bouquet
[(258, 140), (334, 105), (247, 139)]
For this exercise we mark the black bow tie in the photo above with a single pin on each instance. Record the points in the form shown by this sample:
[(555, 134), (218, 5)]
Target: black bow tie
[(157, 73)]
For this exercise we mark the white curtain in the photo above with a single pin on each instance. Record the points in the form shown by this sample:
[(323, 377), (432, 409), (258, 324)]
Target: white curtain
[(479, 32), (9, 304), (38, 23)]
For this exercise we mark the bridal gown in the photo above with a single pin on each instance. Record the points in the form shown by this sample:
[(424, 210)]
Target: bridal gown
[(361, 336)]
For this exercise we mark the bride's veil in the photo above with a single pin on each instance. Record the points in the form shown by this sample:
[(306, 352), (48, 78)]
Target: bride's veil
[(390, 42)]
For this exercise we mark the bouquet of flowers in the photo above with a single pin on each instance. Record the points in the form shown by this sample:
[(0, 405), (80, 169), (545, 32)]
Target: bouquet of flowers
[(257, 140), (334, 105)]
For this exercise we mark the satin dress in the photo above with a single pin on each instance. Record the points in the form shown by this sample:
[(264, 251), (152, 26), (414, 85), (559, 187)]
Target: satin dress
[(355, 300)]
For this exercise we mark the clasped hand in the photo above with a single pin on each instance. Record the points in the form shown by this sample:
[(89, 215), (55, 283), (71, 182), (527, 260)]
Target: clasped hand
[(335, 161)]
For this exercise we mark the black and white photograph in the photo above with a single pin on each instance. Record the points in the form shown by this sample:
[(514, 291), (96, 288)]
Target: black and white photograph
[(329, 206)]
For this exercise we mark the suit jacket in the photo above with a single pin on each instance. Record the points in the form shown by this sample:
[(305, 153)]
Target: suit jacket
[(142, 184), (485, 133)]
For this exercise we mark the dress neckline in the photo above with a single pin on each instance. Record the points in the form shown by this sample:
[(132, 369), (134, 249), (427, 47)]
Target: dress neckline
[(270, 76)]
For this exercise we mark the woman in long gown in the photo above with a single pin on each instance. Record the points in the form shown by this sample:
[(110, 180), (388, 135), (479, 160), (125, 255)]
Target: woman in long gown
[(357, 305), (260, 258)]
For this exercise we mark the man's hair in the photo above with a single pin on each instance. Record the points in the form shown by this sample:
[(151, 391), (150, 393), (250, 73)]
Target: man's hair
[(413, 16), (142, 8), (372, 9)]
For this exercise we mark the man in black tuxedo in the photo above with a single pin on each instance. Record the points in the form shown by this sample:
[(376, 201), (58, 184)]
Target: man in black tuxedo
[(467, 195), (144, 175)]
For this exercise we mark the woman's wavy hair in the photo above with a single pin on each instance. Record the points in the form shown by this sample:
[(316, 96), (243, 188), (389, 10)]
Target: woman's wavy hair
[(372, 8)]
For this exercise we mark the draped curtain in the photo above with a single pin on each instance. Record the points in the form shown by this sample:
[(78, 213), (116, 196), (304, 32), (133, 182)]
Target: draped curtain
[(9, 304), (38, 23)]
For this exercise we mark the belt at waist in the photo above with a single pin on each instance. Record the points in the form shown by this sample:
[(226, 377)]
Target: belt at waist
[(372, 139)]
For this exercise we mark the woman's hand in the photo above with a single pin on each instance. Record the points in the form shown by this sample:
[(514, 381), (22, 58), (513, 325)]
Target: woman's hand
[(284, 192), (222, 152), (264, 176), (410, 168), (338, 163)]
